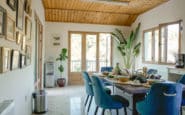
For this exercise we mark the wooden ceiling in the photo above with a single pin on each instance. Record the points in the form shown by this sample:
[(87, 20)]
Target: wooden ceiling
[(94, 12)]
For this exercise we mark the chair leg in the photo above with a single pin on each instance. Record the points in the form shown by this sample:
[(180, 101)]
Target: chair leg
[(86, 100), (117, 112), (125, 110), (103, 111), (96, 110), (89, 103)]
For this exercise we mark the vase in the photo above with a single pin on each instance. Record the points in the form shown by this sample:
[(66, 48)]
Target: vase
[(61, 82)]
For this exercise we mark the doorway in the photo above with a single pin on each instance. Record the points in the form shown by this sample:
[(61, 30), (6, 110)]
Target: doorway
[(88, 51)]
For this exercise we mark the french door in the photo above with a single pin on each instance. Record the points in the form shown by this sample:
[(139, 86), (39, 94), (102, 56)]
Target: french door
[(87, 52)]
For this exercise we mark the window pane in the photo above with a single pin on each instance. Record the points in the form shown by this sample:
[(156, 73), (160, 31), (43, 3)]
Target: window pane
[(148, 46), (104, 49), (91, 52), (76, 51), (163, 44), (156, 35), (173, 42)]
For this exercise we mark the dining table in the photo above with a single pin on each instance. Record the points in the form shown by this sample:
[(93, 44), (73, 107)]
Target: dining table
[(130, 90)]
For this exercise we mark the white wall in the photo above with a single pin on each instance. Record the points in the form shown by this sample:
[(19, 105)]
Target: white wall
[(61, 29), (19, 84), (167, 12)]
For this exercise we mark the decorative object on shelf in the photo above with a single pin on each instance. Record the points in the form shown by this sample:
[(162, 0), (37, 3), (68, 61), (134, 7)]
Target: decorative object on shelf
[(10, 29), (14, 59), (20, 14), (22, 60), (62, 57), (5, 54), (28, 27), (2, 21), (128, 49), (28, 55), (11, 4), (56, 40)]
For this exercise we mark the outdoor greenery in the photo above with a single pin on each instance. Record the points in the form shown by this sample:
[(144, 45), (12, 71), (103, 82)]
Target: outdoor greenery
[(127, 46), (62, 57)]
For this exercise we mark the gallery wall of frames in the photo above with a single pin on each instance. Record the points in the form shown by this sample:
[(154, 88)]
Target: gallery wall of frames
[(16, 29)]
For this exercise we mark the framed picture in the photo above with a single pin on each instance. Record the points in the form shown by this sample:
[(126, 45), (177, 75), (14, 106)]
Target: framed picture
[(23, 43), (22, 60), (20, 14), (18, 37), (27, 7), (28, 55), (14, 59), (5, 54), (10, 29), (2, 21), (28, 27), (11, 4)]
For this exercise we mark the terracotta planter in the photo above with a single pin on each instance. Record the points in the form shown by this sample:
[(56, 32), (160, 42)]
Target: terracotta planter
[(61, 82)]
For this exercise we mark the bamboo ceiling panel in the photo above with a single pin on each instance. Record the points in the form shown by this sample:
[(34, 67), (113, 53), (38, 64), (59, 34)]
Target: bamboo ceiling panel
[(90, 11)]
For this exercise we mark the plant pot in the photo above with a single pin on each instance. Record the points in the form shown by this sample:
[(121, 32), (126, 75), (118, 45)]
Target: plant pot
[(61, 82)]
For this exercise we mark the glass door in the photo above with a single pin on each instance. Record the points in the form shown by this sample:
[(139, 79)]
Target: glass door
[(87, 52)]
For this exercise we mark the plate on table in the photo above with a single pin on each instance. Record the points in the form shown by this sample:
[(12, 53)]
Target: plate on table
[(152, 81)]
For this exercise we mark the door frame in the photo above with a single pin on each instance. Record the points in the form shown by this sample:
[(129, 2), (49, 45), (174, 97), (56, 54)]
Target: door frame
[(84, 50), (38, 53)]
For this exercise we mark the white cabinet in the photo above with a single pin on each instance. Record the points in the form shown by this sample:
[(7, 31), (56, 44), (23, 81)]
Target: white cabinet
[(174, 74), (49, 74)]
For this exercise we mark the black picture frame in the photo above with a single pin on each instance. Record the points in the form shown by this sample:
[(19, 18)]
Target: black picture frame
[(20, 14), (3, 16), (11, 4)]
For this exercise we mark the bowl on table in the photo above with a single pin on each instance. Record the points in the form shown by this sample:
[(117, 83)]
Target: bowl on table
[(105, 73), (123, 79)]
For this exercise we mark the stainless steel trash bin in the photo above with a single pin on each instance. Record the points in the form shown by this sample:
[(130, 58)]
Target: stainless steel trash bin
[(40, 101)]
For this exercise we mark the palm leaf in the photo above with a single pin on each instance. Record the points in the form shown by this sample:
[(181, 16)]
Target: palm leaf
[(136, 49)]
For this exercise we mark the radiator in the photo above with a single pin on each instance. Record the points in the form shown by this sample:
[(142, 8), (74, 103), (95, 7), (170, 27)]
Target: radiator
[(7, 107)]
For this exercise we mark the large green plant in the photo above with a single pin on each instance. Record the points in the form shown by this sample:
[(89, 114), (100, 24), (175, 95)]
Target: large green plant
[(62, 57), (127, 46)]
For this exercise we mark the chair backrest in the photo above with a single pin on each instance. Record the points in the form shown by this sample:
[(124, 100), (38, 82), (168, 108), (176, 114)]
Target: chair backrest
[(164, 99), (88, 83), (152, 71), (182, 80), (108, 69), (102, 99)]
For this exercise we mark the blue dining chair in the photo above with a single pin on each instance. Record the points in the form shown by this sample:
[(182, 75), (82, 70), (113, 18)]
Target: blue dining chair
[(107, 69), (162, 99), (182, 81), (89, 90), (105, 101)]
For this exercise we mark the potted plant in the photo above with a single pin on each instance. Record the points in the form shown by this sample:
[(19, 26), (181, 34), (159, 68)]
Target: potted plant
[(62, 57), (127, 46)]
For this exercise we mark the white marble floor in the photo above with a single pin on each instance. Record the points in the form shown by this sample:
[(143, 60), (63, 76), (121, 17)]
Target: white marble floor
[(68, 101)]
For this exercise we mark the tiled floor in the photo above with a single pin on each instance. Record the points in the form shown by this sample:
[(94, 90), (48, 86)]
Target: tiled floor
[(68, 101)]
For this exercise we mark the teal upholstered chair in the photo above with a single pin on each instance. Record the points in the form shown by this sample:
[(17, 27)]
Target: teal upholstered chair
[(162, 99), (182, 81), (107, 69), (105, 101), (89, 90)]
